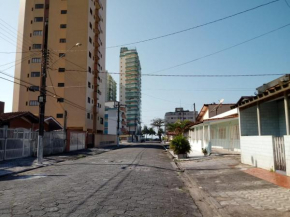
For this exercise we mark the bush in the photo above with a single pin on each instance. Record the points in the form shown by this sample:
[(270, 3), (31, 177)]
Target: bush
[(180, 145)]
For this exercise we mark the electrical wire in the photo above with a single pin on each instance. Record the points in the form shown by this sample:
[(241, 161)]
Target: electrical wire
[(195, 27)]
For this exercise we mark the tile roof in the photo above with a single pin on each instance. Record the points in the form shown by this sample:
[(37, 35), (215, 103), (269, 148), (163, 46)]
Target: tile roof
[(12, 115)]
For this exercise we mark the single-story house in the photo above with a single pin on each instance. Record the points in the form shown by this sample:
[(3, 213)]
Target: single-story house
[(264, 126)]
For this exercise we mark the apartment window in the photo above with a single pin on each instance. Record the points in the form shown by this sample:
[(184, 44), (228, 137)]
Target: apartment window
[(60, 100), (88, 116), (59, 115), (90, 40), (39, 6), (36, 60), (63, 26), (91, 26), (60, 84), (91, 11), (89, 100), (62, 40), (36, 46), (33, 103), (38, 19), (89, 84), (90, 54), (90, 69), (61, 69), (101, 121), (61, 55), (37, 32), (34, 88), (63, 11)]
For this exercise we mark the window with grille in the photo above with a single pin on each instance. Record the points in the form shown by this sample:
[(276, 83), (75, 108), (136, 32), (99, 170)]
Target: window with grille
[(60, 84), (35, 74), (63, 11), (33, 103), (36, 46), (61, 69), (36, 60), (38, 19), (37, 32), (39, 6), (61, 55)]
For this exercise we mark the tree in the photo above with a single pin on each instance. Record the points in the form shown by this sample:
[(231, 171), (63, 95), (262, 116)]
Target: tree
[(179, 127), (145, 131), (158, 123), (160, 133), (152, 132)]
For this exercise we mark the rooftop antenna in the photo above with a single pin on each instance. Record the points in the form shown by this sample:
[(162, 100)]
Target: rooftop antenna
[(217, 106)]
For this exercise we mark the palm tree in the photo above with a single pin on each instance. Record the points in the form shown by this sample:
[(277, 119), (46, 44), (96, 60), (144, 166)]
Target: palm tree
[(145, 131), (179, 127), (152, 132), (158, 123), (160, 133)]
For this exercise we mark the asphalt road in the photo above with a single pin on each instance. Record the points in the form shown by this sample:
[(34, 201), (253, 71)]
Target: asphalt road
[(135, 180)]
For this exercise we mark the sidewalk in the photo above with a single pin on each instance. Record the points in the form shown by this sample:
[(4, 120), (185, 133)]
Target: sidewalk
[(235, 188), (25, 164)]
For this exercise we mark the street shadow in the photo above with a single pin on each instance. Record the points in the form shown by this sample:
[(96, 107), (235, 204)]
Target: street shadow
[(27, 177)]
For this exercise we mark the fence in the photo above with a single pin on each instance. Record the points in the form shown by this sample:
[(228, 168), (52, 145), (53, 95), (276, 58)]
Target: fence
[(279, 153), (19, 143)]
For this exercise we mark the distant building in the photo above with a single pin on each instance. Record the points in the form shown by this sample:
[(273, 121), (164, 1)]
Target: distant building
[(111, 88), (210, 110), (179, 114), (111, 118), (130, 88)]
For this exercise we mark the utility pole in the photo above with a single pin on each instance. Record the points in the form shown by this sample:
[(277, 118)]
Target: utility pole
[(42, 96), (118, 125)]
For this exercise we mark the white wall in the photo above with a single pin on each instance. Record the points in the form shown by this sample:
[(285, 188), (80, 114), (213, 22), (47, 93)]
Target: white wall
[(287, 154), (257, 151)]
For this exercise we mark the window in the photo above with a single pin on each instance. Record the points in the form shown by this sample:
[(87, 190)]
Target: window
[(61, 55), (89, 84), (91, 11), (36, 46), (36, 60), (62, 40), (90, 69), (60, 100), (63, 11), (91, 26), (60, 84), (37, 32), (90, 54), (38, 19), (90, 40), (63, 26), (59, 115), (101, 121), (88, 116), (61, 69), (34, 88), (33, 103), (39, 6), (89, 100)]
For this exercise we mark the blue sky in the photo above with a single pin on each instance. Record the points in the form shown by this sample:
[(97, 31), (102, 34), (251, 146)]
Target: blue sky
[(133, 20)]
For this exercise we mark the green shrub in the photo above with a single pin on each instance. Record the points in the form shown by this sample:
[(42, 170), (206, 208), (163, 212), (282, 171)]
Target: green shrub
[(180, 145)]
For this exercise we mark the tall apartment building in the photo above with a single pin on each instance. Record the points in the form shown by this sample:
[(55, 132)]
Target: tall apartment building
[(130, 87), (111, 88), (75, 73)]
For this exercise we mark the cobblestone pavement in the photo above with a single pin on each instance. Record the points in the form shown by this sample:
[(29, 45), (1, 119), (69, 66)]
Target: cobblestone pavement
[(132, 181), (237, 192)]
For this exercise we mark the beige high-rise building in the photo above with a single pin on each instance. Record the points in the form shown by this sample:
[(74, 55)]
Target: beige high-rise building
[(75, 73)]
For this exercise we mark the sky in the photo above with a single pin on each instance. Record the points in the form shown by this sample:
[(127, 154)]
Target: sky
[(135, 20)]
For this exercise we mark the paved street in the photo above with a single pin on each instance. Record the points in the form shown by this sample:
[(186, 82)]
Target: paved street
[(136, 180)]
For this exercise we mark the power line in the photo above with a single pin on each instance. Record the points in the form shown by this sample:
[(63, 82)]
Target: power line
[(195, 27)]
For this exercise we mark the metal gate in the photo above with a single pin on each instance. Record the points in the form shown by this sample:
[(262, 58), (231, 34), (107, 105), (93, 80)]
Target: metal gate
[(77, 141), (279, 153)]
